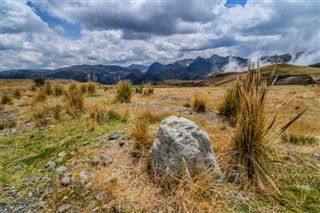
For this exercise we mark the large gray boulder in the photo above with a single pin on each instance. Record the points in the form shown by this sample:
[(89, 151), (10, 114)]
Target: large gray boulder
[(179, 140)]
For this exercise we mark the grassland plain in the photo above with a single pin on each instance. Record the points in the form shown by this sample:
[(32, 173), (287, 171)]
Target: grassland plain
[(126, 184)]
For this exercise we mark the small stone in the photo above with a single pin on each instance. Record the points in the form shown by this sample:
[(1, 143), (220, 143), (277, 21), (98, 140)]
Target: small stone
[(304, 187), (31, 179), (64, 208), (100, 196), (99, 134), (65, 181), (86, 143), (83, 177), (95, 209), (13, 130), (238, 198), (50, 165), (114, 135), (95, 160), (60, 160), (295, 158), (107, 159), (45, 194), (316, 156), (79, 166), (41, 129), (61, 169), (62, 154)]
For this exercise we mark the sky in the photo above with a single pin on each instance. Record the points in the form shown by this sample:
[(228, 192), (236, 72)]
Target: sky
[(51, 34)]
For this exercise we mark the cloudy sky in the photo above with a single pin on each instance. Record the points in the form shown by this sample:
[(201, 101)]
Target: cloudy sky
[(56, 33)]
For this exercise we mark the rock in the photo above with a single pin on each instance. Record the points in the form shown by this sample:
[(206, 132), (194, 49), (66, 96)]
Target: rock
[(50, 165), (179, 140), (60, 160), (295, 158), (107, 159), (64, 208), (95, 160), (238, 198), (61, 169), (13, 130), (41, 129), (31, 179), (79, 166), (86, 143), (83, 177), (65, 181), (316, 156), (99, 196), (114, 135)]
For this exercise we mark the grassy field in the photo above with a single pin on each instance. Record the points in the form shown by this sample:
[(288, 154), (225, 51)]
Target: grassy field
[(34, 131)]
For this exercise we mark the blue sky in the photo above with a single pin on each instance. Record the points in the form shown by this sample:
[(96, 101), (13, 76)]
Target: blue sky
[(53, 34)]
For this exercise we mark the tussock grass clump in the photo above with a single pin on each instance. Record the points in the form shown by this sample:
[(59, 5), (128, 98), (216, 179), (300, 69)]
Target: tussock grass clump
[(142, 140), (40, 115), (83, 88), (7, 124), (17, 94), (48, 88), (6, 99), (92, 88), (252, 152), (38, 82), (298, 139), (147, 90), (56, 112), (41, 96), (57, 90), (150, 116), (124, 91), (74, 100), (118, 115), (33, 88), (139, 89), (199, 103), (231, 103), (99, 113)]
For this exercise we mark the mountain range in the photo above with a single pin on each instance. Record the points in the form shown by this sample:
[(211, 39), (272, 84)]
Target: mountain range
[(187, 69)]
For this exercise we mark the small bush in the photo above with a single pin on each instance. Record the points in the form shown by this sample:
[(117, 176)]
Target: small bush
[(74, 100), (38, 82), (6, 99), (57, 90), (199, 104), (17, 94), (91, 88), (124, 91), (41, 96), (99, 113), (139, 89), (298, 139)]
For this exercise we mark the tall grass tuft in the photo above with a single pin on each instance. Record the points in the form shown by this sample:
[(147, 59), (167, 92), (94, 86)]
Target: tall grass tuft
[(91, 88), (298, 139), (199, 103), (74, 100), (124, 91), (6, 99), (41, 96), (230, 105), (17, 94), (99, 113), (48, 88), (57, 90), (252, 154), (147, 90)]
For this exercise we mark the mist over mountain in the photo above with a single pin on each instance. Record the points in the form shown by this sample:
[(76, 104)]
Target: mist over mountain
[(187, 69)]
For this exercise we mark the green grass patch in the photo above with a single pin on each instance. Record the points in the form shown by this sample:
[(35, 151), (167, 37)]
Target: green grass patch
[(298, 139)]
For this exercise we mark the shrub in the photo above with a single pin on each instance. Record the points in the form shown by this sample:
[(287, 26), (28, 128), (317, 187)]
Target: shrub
[(199, 104), (91, 88), (74, 100), (17, 93), (231, 103), (298, 139), (48, 88), (124, 91), (57, 90), (6, 99), (39, 82)]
